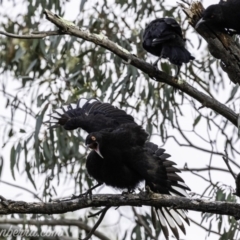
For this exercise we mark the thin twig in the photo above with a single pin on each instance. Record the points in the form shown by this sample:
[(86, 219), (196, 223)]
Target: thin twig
[(33, 35), (23, 188), (96, 224), (97, 213), (225, 158), (142, 222), (201, 226), (203, 169)]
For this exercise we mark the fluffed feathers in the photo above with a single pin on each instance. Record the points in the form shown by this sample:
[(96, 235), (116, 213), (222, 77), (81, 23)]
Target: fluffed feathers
[(120, 160), (222, 16), (121, 157), (163, 38)]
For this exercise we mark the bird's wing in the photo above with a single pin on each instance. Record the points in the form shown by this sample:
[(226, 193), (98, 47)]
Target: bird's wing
[(161, 176), (159, 172), (161, 30), (90, 115)]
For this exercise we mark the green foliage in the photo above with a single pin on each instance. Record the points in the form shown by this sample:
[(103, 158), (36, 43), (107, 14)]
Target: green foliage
[(37, 74)]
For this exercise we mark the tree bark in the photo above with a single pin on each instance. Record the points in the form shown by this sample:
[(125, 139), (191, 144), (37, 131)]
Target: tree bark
[(221, 46), (116, 200)]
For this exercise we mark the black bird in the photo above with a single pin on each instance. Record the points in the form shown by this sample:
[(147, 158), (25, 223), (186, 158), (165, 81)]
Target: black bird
[(224, 16), (163, 38), (122, 157)]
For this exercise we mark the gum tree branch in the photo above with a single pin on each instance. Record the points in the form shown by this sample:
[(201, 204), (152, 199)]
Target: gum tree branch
[(203, 169), (201, 226), (66, 27), (23, 188), (221, 46), (115, 200), (33, 35)]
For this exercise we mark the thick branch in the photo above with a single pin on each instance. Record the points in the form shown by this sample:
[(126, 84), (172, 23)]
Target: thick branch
[(101, 40), (220, 45), (116, 200), (145, 67)]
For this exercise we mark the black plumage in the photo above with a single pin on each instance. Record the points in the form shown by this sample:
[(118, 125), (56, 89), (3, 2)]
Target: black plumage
[(224, 16), (122, 157), (163, 38)]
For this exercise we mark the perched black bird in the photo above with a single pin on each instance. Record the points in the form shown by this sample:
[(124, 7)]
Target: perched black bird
[(163, 38), (224, 16), (122, 157)]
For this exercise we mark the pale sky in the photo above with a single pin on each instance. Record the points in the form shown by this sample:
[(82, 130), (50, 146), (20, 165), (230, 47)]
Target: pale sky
[(179, 155)]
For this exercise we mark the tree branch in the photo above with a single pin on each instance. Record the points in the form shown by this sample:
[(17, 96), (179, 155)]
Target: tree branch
[(66, 27), (33, 35), (221, 46), (115, 200), (205, 228), (203, 169), (23, 188)]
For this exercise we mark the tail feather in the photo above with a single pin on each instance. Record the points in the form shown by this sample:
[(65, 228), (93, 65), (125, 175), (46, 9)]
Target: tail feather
[(168, 163), (183, 215), (168, 182), (174, 177), (183, 185), (177, 219), (172, 169), (170, 221), (179, 55), (179, 191), (170, 217), (163, 223)]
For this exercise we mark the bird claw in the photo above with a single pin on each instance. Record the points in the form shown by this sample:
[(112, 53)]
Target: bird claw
[(129, 191)]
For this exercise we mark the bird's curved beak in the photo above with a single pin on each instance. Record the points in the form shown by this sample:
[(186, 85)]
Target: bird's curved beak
[(200, 22), (95, 147), (98, 152)]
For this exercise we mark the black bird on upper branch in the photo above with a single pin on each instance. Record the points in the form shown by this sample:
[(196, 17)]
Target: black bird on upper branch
[(122, 157), (224, 16), (163, 38)]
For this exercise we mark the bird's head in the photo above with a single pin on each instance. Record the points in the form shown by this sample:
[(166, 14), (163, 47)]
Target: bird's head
[(92, 141), (213, 14)]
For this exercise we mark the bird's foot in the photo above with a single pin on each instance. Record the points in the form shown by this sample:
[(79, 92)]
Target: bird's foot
[(128, 191), (145, 194)]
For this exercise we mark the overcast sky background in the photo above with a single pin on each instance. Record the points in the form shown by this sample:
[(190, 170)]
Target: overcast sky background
[(179, 155)]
